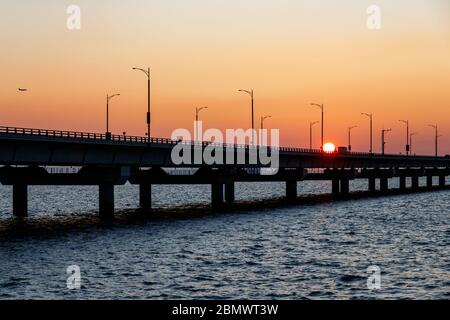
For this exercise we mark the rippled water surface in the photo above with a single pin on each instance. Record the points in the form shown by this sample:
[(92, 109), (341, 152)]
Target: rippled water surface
[(312, 251)]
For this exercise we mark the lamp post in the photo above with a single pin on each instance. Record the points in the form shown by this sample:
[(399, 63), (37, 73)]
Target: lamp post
[(108, 99), (262, 121), (436, 138), (411, 135), (370, 116), (383, 139), (147, 73), (407, 135), (311, 125), (321, 108), (251, 94), (350, 137), (197, 111)]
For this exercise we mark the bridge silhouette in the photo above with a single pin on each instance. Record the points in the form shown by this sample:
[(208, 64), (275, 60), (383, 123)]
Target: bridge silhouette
[(112, 160)]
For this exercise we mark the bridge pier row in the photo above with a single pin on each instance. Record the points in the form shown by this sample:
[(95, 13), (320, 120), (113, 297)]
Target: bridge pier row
[(291, 190), (441, 181), (20, 200), (372, 185), (384, 184), (402, 180), (106, 201), (415, 182), (229, 193), (345, 187), (217, 195), (145, 196)]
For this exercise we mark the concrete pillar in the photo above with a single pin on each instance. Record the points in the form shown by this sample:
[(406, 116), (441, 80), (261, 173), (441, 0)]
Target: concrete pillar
[(441, 181), (145, 196), (429, 181), (229, 192), (106, 201), (402, 182), (345, 186), (372, 185), (291, 190), (217, 195), (415, 182), (335, 187), (20, 200), (384, 184)]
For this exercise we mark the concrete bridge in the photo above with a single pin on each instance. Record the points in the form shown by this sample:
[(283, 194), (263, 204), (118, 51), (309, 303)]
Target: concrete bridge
[(108, 161)]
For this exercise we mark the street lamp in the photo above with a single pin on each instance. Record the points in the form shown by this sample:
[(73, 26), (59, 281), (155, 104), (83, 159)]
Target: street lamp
[(108, 99), (383, 140), (321, 108), (262, 121), (411, 135), (407, 135), (436, 137), (250, 93), (350, 137), (370, 115), (311, 125), (147, 73), (197, 111)]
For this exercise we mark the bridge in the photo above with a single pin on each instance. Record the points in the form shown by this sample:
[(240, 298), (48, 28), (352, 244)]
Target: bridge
[(29, 157)]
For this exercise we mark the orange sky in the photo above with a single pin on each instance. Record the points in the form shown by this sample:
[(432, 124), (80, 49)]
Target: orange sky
[(202, 51)]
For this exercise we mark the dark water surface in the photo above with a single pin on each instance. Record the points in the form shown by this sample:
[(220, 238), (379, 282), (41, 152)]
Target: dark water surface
[(304, 251)]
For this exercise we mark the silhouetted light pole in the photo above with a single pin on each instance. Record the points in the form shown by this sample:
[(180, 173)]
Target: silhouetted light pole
[(108, 99), (262, 121), (197, 111), (250, 93), (370, 115), (411, 135), (383, 139), (147, 73), (407, 135), (350, 137), (436, 137), (321, 108), (311, 125)]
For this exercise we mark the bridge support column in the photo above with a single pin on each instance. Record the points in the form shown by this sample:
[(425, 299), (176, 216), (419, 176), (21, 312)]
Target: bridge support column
[(20, 200), (335, 187), (217, 195), (384, 184), (145, 196), (229, 193), (106, 201), (415, 182), (345, 187), (402, 183), (372, 185), (430, 181), (291, 190), (441, 181)]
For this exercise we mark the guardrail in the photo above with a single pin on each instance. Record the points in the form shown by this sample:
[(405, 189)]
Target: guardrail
[(136, 139)]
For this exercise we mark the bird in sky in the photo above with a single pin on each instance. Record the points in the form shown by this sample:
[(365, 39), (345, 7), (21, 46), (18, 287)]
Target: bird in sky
[(23, 89)]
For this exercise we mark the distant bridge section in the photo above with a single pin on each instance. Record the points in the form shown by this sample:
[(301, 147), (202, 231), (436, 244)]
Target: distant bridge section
[(107, 161)]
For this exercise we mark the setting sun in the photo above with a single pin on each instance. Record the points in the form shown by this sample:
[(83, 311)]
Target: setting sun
[(329, 147)]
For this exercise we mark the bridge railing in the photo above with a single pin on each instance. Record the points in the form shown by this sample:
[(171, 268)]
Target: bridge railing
[(137, 139)]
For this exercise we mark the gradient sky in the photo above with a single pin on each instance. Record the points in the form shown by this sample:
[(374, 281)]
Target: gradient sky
[(292, 52)]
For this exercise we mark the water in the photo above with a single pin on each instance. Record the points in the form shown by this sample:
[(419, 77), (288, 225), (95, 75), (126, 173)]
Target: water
[(317, 251)]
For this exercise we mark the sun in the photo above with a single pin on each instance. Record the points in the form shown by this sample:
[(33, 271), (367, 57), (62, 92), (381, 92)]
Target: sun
[(329, 147)]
